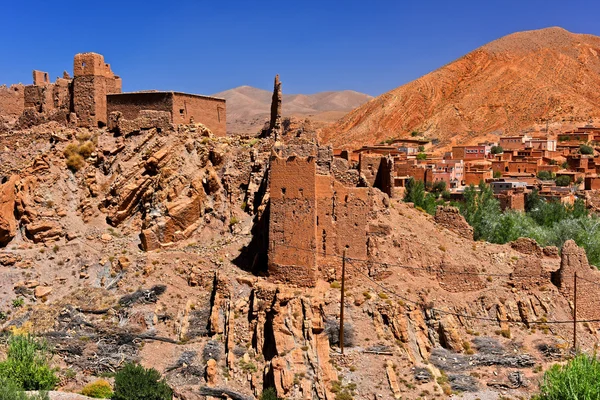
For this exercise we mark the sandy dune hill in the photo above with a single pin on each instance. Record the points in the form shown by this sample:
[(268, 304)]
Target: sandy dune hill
[(514, 83), (249, 107)]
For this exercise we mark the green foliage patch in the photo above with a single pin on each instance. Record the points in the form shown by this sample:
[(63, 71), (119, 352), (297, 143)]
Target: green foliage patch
[(135, 382), (578, 379)]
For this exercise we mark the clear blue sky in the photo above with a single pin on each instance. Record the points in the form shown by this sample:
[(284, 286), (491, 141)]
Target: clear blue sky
[(204, 47)]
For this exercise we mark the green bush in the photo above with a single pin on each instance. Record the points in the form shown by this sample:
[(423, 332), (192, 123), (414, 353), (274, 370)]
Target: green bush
[(10, 391), (26, 364), (421, 156), (99, 389), (563, 180), (497, 150), (268, 394), (135, 382), (585, 149), (545, 175), (578, 379)]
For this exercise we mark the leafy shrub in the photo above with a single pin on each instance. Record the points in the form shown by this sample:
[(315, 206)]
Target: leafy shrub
[(421, 156), (10, 391), (578, 379), (585, 149), (26, 364), (497, 150), (99, 390), (135, 382), (545, 175), (268, 394), (563, 180), (415, 133)]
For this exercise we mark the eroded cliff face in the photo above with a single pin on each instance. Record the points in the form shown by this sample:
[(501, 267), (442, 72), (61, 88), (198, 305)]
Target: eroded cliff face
[(518, 82), (153, 250)]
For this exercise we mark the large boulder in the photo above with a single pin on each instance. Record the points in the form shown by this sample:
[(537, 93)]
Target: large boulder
[(8, 222)]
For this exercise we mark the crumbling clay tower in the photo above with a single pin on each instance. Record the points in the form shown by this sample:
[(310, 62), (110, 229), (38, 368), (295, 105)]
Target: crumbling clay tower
[(92, 81), (275, 124)]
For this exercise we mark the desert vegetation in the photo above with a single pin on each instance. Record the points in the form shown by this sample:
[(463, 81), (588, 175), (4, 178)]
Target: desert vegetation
[(550, 223), (578, 379)]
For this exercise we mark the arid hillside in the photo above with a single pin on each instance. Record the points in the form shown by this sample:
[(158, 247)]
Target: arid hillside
[(248, 107), (514, 83)]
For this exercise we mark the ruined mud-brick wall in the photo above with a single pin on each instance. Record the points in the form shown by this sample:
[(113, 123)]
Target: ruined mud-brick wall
[(378, 170), (11, 100), (209, 111), (573, 258), (512, 200), (335, 214), (93, 81), (130, 104), (342, 221), (183, 108), (292, 220), (46, 97)]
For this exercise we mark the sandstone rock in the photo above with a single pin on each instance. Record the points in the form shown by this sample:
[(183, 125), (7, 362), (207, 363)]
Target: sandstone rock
[(393, 380), (211, 372), (42, 291), (8, 223), (42, 230), (123, 263), (449, 336), (106, 237)]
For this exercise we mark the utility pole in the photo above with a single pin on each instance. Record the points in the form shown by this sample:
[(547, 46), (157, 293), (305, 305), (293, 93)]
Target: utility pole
[(342, 302), (575, 312)]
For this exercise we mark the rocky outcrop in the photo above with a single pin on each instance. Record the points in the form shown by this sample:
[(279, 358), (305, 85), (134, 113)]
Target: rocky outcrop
[(527, 246), (451, 218), (275, 121), (8, 222)]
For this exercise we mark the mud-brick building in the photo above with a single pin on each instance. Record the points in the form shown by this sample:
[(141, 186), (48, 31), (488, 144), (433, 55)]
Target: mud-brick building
[(315, 213), (94, 92), (183, 107)]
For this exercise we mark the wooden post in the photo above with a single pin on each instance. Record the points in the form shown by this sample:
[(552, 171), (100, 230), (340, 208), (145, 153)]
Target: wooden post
[(342, 303), (575, 312)]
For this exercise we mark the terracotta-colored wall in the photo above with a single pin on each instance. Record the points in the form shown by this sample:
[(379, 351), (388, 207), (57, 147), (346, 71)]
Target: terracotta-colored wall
[(474, 177), (130, 104), (11, 100), (293, 220), (206, 110)]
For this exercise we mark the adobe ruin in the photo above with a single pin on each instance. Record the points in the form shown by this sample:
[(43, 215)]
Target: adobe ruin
[(94, 92), (316, 211)]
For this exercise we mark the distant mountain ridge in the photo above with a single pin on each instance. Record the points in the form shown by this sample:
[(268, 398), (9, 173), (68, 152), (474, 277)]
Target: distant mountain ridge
[(247, 106), (518, 82)]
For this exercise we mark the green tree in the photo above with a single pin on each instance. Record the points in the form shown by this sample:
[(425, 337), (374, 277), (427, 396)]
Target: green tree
[(578, 379), (26, 364), (497, 174), (135, 382), (563, 180), (421, 156), (545, 175), (497, 150), (438, 187), (585, 149)]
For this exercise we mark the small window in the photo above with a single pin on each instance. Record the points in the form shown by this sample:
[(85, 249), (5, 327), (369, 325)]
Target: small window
[(282, 190), (83, 64), (181, 111)]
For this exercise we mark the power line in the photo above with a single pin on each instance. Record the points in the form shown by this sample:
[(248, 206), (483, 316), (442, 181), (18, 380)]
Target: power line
[(424, 269), (403, 298), (458, 314)]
